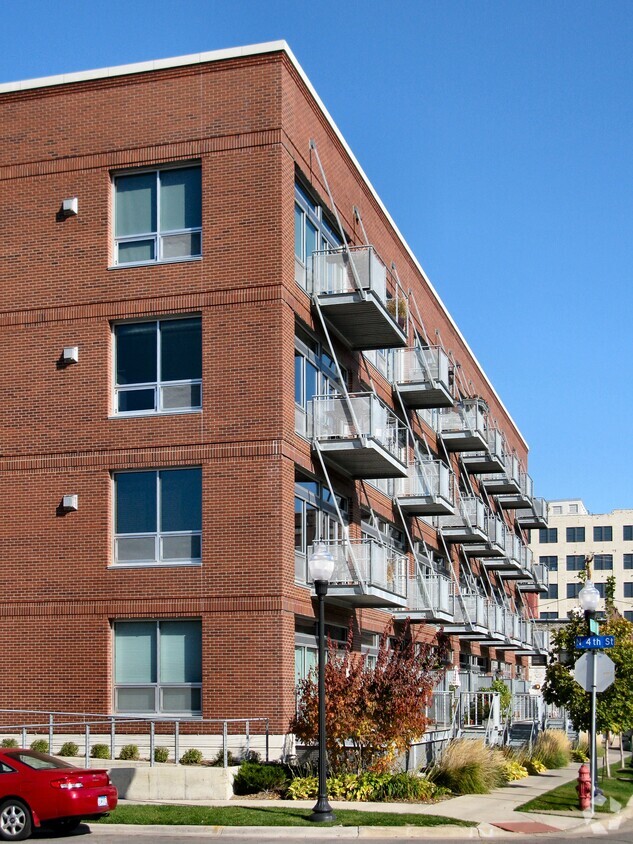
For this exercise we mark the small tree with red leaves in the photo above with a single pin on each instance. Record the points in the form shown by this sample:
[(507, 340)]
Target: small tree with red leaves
[(373, 712)]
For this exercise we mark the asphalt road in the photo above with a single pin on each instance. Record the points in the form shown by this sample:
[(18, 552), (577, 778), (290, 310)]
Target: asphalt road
[(95, 835)]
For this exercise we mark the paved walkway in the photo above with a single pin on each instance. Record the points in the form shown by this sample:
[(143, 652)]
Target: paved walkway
[(492, 812)]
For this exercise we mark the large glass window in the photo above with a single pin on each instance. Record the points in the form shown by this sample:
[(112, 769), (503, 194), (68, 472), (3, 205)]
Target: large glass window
[(158, 366), (602, 533), (573, 589), (546, 535), (603, 562), (315, 375), (312, 234), (575, 562), (575, 534), (628, 561), (158, 517), (316, 520), (551, 561), (628, 589), (158, 667), (552, 591), (158, 215), (627, 533)]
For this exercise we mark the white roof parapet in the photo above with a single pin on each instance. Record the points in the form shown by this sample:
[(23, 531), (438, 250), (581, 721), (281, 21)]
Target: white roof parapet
[(240, 52)]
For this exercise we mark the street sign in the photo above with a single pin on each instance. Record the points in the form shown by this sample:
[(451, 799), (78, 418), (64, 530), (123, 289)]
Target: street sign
[(587, 643), (594, 626), (605, 671)]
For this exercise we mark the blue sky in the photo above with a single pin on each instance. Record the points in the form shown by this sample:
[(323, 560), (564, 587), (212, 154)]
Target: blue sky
[(500, 137)]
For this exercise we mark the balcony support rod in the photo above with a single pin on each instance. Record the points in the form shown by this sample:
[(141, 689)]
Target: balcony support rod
[(344, 526), (359, 287), (415, 560), (458, 590)]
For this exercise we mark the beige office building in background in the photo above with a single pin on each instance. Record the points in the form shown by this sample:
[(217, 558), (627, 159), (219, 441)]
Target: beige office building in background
[(571, 535)]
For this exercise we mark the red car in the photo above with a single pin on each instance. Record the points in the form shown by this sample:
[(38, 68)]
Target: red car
[(39, 790)]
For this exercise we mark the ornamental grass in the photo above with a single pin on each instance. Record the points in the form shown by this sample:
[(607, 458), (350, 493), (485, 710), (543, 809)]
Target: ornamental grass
[(469, 767)]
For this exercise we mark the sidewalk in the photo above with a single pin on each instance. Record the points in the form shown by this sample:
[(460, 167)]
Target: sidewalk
[(495, 813)]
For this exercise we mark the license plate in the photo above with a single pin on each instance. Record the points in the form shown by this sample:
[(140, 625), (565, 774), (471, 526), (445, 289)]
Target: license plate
[(102, 801)]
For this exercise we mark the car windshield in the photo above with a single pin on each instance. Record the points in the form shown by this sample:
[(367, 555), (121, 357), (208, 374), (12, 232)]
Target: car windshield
[(39, 761)]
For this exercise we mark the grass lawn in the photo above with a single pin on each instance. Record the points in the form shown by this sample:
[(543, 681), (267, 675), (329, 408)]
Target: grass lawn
[(266, 816), (618, 789)]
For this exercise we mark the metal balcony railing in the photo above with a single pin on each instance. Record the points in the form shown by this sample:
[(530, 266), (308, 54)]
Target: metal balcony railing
[(467, 524), (367, 564), (464, 427), (470, 608), (359, 297), (491, 459), (431, 595), (421, 376), (345, 428), (427, 489), (534, 516)]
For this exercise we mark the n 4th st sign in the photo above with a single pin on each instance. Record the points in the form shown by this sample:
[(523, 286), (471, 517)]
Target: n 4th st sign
[(604, 668), (588, 643)]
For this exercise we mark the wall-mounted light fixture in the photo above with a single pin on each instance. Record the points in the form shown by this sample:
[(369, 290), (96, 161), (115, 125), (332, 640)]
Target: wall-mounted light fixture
[(70, 206), (70, 502), (70, 354)]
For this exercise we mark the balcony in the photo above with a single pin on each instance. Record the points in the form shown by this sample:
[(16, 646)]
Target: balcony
[(521, 498), (516, 560), (491, 459), (360, 436), (430, 598), (350, 287), (366, 574), (535, 641), (505, 480), (534, 516), (471, 618), (494, 546), (428, 489), (463, 428), (467, 524), (539, 582), (421, 377)]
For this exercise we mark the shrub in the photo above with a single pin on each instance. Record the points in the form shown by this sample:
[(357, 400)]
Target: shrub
[(367, 786), (254, 777), (129, 752), (514, 770), (100, 751), (9, 742), (40, 745), (534, 766), (468, 767), (161, 754), (69, 748), (218, 760), (193, 756), (553, 749)]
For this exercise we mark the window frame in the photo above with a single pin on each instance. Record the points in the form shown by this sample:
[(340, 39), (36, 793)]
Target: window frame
[(602, 533), (627, 533), (627, 561), (158, 685), (575, 534), (603, 562), (326, 526), (326, 236), (159, 384), (575, 566), (158, 235), (548, 536), (545, 560), (158, 534)]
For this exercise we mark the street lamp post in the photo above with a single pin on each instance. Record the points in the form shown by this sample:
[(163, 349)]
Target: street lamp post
[(589, 598), (321, 570)]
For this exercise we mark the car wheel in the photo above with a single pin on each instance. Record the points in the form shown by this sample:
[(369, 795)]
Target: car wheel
[(64, 824), (15, 820)]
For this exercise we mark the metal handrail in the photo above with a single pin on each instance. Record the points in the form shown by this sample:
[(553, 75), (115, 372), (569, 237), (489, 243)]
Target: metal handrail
[(86, 720)]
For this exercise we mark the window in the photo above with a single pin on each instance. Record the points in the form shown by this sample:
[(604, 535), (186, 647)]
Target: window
[(546, 535), (557, 510), (600, 588), (602, 533), (627, 533), (552, 591), (575, 534), (628, 561), (316, 520), (158, 516), (573, 509), (603, 562), (158, 366), (158, 667), (575, 562), (573, 589), (315, 375), (548, 616), (158, 215), (628, 615), (550, 561), (312, 234), (628, 589)]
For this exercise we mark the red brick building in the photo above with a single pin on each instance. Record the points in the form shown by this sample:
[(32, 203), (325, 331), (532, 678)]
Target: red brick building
[(218, 351)]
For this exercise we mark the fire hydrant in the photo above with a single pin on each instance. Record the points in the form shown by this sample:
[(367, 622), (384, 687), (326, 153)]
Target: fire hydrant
[(584, 787)]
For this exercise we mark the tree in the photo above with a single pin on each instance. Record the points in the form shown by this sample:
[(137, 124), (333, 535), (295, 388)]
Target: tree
[(614, 711), (373, 712)]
